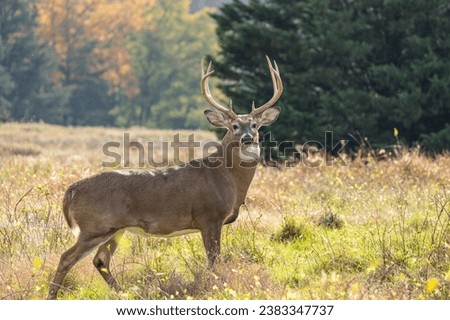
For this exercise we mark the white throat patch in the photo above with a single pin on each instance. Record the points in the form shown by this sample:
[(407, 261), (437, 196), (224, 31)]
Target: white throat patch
[(249, 152)]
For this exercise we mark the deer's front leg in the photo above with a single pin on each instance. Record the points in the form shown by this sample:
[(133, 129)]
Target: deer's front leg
[(211, 240)]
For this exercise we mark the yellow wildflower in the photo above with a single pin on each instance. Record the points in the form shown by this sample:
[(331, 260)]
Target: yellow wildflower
[(431, 285)]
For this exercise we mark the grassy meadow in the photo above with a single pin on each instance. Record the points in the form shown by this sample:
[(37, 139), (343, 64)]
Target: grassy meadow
[(369, 230)]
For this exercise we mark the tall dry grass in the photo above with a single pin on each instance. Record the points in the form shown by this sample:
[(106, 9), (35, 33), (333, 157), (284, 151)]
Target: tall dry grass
[(369, 230)]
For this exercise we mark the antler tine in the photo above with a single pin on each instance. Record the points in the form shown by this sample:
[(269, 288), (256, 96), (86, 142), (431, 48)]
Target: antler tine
[(207, 92), (277, 88)]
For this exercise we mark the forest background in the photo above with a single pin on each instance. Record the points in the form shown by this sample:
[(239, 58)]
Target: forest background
[(75, 74), (363, 69)]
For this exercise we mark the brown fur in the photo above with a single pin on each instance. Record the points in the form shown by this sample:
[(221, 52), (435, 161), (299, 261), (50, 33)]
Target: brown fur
[(202, 195)]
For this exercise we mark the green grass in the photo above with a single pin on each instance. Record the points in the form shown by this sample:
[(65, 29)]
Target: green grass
[(378, 230)]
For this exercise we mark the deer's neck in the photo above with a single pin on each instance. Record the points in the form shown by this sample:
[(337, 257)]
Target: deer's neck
[(242, 172)]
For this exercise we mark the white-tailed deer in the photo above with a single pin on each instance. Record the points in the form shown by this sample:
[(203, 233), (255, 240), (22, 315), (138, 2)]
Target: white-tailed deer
[(202, 195)]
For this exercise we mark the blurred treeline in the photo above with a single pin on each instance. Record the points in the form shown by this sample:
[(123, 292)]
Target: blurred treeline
[(361, 69), (103, 62), (365, 68)]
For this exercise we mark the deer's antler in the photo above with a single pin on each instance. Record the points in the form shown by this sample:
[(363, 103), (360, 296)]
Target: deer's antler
[(277, 89), (207, 93)]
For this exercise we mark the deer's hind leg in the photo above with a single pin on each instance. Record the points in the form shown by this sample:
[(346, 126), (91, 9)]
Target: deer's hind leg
[(84, 245), (103, 258)]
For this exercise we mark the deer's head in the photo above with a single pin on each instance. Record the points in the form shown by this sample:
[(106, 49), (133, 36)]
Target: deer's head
[(243, 129)]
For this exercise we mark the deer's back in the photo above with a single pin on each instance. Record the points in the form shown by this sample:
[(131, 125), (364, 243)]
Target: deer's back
[(159, 203)]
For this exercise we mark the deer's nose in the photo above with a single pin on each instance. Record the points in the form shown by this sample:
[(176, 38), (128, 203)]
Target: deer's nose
[(247, 139)]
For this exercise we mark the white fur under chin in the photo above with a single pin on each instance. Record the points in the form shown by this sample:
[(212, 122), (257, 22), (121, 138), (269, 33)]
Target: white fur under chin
[(249, 152)]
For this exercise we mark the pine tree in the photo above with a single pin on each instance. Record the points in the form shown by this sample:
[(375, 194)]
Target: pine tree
[(27, 91), (368, 66)]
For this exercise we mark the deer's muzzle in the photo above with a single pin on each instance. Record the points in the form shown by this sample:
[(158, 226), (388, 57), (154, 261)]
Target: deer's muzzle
[(246, 139)]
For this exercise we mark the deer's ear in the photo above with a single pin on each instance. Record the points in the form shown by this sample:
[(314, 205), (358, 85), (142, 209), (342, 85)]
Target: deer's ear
[(217, 119), (269, 116)]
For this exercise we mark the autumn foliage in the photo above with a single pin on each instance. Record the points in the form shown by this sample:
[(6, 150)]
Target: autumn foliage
[(71, 25), (103, 62)]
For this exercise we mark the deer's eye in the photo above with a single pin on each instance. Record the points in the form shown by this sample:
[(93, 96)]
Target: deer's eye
[(253, 125), (235, 127)]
